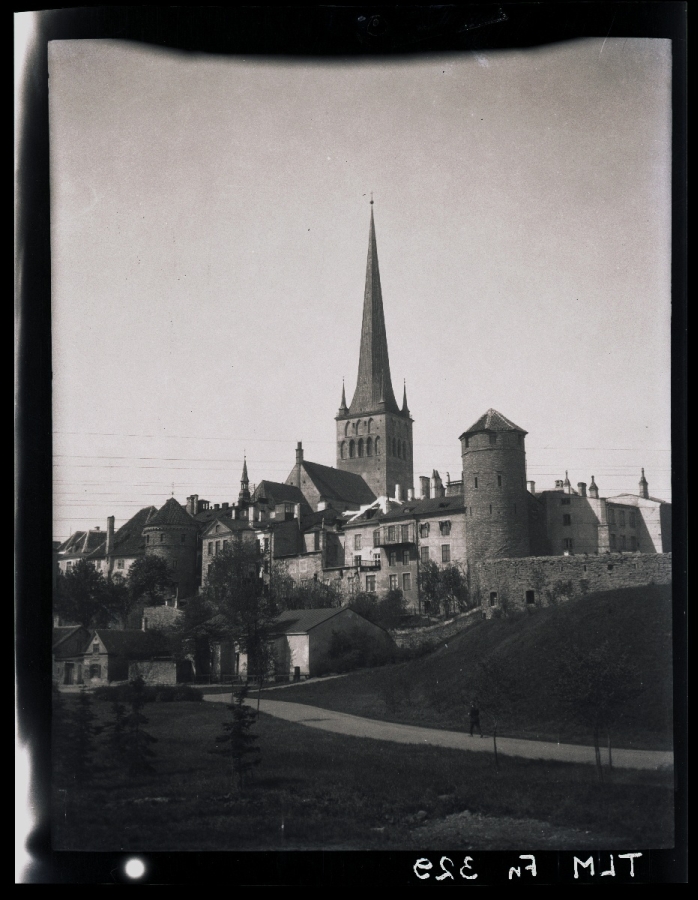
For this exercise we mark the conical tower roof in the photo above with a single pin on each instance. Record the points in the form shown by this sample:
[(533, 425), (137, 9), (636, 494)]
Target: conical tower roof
[(172, 513), (493, 421), (374, 388)]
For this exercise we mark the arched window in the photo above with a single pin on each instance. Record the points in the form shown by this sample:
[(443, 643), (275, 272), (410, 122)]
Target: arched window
[(370, 426), (343, 450), (404, 449), (355, 427), (369, 447), (346, 429), (377, 446), (361, 446), (399, 449), (351, 449), (394, 447)]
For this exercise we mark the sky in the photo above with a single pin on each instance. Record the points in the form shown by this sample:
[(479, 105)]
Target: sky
[(210, 222)]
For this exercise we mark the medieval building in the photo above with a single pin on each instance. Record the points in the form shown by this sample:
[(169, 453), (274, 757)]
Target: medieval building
[(361, 525)]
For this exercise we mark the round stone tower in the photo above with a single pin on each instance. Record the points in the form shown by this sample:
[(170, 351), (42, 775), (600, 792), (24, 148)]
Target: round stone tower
[(494, 487), (173, 535)]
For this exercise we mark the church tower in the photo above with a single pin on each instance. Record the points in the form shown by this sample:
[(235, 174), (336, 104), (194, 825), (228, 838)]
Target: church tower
[(374, 435)]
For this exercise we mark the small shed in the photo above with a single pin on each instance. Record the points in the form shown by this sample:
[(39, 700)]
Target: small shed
[(302, 638), (67, 651), (121, 655)]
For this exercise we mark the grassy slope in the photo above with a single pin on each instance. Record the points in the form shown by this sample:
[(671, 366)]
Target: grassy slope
[(434, 690), (331, 791)]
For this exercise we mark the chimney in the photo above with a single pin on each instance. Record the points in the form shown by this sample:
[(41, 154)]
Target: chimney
[(582, 488), (593, 489), (216, 506), (566, 485), (531, 485), (225, 505), (193, 504), (410, 493), (558, 484), (398, 492), (423, 487), (110, 535)]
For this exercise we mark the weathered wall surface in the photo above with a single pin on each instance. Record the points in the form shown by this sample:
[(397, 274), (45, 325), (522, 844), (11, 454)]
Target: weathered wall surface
[(516, 583), (434, 634), (157, 671)]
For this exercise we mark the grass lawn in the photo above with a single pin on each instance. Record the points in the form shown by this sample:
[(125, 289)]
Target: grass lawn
[(433, 691), (315, 790)]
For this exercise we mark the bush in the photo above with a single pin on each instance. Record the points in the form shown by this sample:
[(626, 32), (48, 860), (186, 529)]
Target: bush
[(354, 650), (167, 693)]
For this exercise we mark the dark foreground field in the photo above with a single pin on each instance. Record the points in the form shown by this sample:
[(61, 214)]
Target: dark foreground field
[(435, 690), (315, 790)]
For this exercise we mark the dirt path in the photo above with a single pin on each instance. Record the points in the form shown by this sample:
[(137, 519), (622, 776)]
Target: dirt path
[(356, 726)]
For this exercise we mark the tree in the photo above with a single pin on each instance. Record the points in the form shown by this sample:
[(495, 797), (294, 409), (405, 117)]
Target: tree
[(239, 743), (496, 691), (366, 605), (130, 740), (391, 609), (74, 732), (309, 594), (445, 588), (84, 596), (149, 580), (595, 683)]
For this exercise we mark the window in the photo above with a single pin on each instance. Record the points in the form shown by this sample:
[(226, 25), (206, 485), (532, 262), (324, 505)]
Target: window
[(371, 583), (567, 543), (377, 537), (499, 480), (622, 542), (377, 446), (633, 543), (631, 519), (490, 509), (407, 581), (361, 447), (393, 582), (391, 532), (357, 559), (217, 528), (611, 517), (613, 542), (218, 546), (357, 541), (621, 517), (424, 529), (444, 528), (493, 598), (406, 558), (399, 449), (393, 558), (445, 553), (467, 442), (343, 450), (147, 538), (493, 439), (565, 501), (530, 598), (95, 647), (567, 519), (95, 671), (369, 447), (476, 481), (424, 554), (405, 529), (351, 449), (369, 426), (183, 538), (119, 564), (162, 537), (377, 559), (210, 548)]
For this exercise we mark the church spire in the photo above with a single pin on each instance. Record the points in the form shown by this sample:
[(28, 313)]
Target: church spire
[(405, 409), (244, 482), (374, 367), (343, 405)]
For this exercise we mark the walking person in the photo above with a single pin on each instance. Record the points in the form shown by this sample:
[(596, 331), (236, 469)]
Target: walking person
[(474, 718)]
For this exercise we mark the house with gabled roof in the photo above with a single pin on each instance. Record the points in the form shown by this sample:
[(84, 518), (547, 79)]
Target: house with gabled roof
[(111, 655), (324, 486), (67, 651)]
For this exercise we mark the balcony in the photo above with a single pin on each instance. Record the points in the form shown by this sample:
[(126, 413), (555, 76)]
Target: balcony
[(392, 535)]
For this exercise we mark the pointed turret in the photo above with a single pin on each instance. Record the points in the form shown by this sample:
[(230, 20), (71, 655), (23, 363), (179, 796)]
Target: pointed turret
[(343, 409), (593, 489), (373, 382), (244, 483), (644, 487), (405, 409), (566, 485)]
